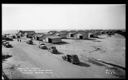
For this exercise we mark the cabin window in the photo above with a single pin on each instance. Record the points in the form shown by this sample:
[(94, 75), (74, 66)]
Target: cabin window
[(71, 35)]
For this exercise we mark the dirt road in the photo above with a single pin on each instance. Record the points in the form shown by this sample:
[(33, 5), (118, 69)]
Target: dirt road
[(34, 60), (45, 60)]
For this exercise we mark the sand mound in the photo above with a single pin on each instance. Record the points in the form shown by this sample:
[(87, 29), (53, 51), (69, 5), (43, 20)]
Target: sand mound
[(118, 36)]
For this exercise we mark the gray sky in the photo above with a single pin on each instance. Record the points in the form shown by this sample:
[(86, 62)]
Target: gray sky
[(63, 16)]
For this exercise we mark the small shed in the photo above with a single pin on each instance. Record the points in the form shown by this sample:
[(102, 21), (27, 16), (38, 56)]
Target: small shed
[(52, 39), (83, 35), (79, 36), (71, 35)]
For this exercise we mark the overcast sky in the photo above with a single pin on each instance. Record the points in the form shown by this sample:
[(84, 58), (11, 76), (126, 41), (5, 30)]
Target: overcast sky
[(63, 16)]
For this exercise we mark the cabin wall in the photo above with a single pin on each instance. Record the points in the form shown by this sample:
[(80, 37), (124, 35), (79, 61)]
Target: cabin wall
[(63, 36), (77, 36), (84, 36), (70, 35), (56, 40), (53, 40), (89, 35)]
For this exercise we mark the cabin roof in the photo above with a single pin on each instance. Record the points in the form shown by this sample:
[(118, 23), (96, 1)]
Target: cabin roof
[(72, 33), (53, 36), (49, 36), (27, 31)]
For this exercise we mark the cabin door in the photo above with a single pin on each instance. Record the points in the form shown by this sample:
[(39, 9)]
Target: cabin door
[(81, 37), (49, 40)]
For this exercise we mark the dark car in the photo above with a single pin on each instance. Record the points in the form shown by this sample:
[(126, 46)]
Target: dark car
[(53, 50), (42, 46), (71, 58), (8, 39), (3, 42), (6, 44), (30, 42)]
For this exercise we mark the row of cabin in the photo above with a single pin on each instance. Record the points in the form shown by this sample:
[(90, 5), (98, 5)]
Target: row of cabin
[(55, 37), (80, 35), (49, 38), (27, 34), (52, 39), (12, 36), (74, 35)]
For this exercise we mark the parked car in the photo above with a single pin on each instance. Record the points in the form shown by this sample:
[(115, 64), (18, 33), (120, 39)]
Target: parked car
[(29, 42), (53, 50), (71, 58), (42, 46), (7, 38), (7, 44), (4, 41), (4, 57)]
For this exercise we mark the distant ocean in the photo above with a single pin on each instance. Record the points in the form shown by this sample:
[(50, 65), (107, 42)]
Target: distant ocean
[(9, 32), (15, 31), (37, 31)]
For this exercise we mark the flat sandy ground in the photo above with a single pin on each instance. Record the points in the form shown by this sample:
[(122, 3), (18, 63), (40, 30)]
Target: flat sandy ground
[(29, 61)]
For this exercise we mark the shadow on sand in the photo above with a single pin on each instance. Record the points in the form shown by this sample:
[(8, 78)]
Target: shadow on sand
[(91, 39), (59, 53), (95, 62), (83, 64), (61, 43), (9, 46), (97, 41), (94, 39), (99, 38), (31, 44), (114, 65), (4, 57)]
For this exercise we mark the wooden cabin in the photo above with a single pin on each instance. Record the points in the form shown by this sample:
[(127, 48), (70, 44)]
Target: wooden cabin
[(52, 39), (38, 36), (62, 34), (71, 34), (28, 34), (82, 35)]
